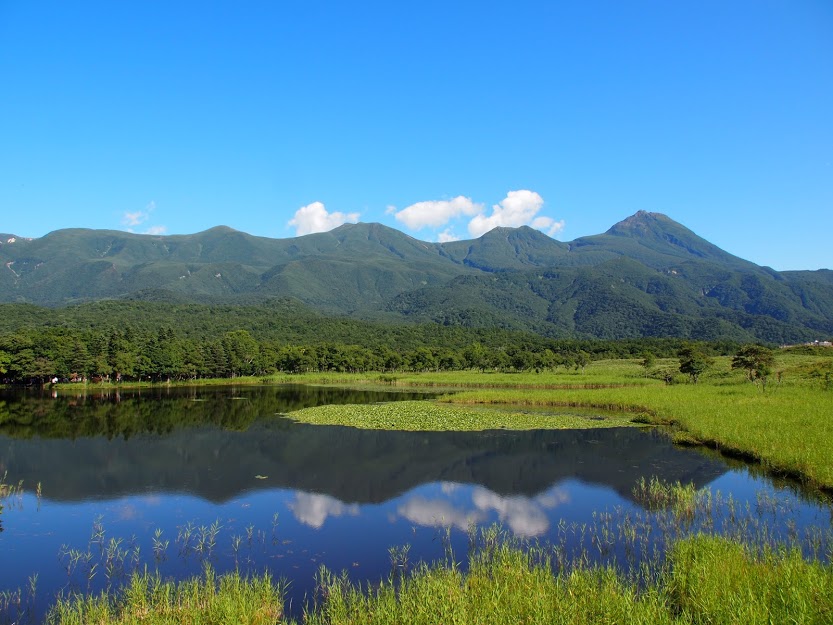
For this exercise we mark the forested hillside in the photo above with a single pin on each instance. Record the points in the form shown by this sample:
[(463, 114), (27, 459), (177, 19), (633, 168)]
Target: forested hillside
[(647, 276)]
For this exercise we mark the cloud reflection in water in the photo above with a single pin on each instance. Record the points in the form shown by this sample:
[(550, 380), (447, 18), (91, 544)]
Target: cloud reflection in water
[(314, 509), (525, 516)]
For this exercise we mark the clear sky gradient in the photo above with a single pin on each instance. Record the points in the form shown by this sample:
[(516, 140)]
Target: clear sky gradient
[(442, 119)]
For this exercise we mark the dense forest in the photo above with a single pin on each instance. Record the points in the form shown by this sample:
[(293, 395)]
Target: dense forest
[(131, 341)]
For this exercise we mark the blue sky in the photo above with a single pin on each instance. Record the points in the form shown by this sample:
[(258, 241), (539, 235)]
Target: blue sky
[(442, 119)]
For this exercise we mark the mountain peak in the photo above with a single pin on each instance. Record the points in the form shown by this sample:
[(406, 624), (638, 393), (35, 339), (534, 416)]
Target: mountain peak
[(220, 230), (642, 223), (656, 233)]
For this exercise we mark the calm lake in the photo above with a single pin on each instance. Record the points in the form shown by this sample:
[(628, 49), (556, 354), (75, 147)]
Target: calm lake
[(173, 478)]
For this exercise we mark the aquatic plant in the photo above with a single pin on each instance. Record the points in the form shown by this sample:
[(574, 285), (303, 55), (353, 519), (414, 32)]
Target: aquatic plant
[(428, 415)]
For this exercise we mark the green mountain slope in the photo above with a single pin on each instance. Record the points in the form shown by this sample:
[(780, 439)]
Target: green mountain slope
[(645, 276), (617, 299), (508, 248), (657, 241)]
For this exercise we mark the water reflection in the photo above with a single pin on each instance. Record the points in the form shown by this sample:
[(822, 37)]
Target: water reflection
[(291, 497), (351, 465), (312, 509), (526, 517)]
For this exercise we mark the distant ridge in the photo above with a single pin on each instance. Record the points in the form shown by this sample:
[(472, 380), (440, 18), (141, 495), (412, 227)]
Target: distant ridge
[(645, 276)]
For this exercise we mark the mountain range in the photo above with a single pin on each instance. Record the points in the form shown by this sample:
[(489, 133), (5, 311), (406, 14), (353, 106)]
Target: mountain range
[(646, 276)]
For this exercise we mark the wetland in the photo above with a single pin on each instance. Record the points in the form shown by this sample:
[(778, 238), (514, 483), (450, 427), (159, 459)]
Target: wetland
[(264, 479)]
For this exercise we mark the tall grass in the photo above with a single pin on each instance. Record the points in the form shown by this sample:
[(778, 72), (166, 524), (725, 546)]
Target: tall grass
[(705, 579), (207, 600)]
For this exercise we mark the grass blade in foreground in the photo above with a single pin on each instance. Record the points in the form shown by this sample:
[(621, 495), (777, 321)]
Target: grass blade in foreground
[(209, 600)]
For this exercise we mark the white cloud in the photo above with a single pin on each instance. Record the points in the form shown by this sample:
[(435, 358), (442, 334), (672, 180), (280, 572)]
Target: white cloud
[(548, 225), (524, 516), (311, 509), (390, 209), (134, 219), (131, 219), (446, 236), (156, 230), (437, 213), (315, 218), (518, 208)]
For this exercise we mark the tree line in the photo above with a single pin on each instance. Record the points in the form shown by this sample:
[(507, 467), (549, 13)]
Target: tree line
[(39, 355)]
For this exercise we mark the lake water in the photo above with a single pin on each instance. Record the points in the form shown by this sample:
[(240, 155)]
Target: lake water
[(170, 478)]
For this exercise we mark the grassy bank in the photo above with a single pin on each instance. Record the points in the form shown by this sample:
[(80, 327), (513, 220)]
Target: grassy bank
[(705, 579)]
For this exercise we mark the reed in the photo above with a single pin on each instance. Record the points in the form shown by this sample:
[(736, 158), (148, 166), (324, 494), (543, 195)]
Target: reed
[(208, 600), (705, 579)]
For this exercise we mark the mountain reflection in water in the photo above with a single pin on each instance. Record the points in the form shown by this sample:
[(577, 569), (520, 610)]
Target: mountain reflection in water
[(180, 442)]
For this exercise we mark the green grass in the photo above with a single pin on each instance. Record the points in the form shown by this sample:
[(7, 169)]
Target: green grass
[(705, 579), (428, 415), (713, 580), (208, 600)]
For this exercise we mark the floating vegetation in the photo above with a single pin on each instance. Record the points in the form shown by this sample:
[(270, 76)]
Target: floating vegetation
[(431, 416)]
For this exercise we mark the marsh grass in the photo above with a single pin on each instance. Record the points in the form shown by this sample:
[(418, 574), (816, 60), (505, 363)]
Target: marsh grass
[(692, 556), (11, 495), (10, 491), (705, 579), (209, 599), (655, 494)]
